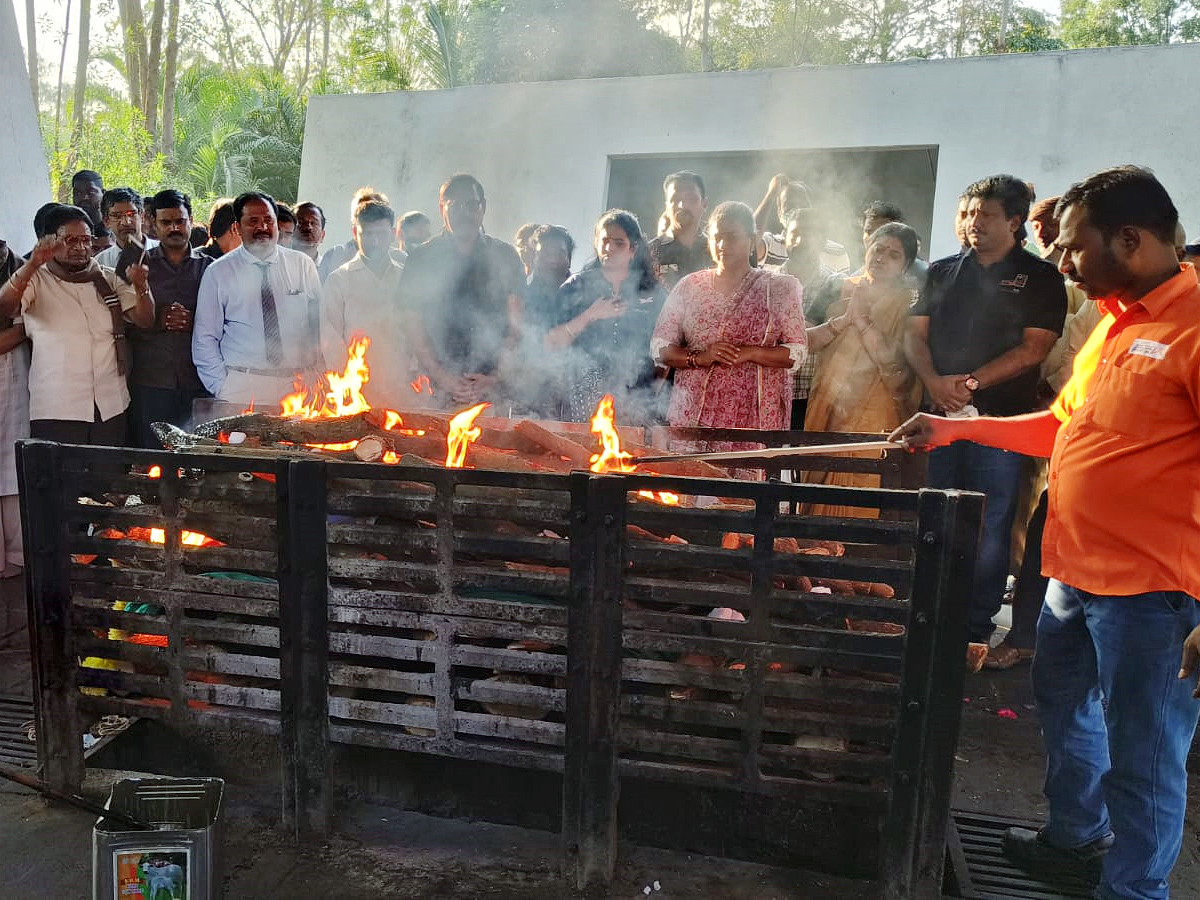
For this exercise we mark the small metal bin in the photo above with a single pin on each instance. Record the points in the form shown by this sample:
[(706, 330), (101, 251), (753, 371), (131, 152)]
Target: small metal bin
[(180, 860)]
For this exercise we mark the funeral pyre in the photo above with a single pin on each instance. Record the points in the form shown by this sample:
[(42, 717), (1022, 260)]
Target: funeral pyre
[(332, 419)]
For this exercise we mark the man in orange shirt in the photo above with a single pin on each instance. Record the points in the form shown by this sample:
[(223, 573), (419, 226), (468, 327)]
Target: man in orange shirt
[(1122, 545)]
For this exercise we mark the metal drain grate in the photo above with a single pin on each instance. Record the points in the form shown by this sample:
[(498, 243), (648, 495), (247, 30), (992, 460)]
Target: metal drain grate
[(978, 869), (15, 748)]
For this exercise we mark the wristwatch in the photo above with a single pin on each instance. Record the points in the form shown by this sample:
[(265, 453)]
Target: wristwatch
[(972, 383)]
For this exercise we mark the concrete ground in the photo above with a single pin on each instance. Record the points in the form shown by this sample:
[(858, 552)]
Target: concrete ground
[(385, 852)]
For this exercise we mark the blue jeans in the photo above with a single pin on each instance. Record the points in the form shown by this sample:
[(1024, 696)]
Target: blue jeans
[(1118, 725), (998, 474)]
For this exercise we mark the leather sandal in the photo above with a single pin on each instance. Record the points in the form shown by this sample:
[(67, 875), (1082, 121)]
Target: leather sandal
[(1004, 656)]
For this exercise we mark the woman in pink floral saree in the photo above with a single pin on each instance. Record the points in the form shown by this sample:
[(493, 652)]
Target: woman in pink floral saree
[(734, 335)]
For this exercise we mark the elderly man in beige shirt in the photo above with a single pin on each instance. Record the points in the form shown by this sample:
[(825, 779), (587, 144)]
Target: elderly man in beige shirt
[(74, 312)]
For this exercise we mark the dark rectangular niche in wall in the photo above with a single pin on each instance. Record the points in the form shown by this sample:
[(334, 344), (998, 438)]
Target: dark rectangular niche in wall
[(842, 182)]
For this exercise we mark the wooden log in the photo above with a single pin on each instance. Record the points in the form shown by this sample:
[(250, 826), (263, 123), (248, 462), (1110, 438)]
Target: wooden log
[(272, 429), (558, 444)]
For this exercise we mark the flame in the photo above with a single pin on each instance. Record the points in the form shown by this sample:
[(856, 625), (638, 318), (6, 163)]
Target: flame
[(390, 457), (664, 497), (333, 394), (347, 445), (611, 456), (159, 536), (422, 385), (391, 419), (249, 409), (155, 472), (462, 433)]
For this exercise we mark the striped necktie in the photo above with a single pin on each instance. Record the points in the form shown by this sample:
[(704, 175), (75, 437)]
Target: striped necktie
[(270, 317)]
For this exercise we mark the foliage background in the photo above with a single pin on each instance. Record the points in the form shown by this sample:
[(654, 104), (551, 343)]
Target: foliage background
[(209, 96)]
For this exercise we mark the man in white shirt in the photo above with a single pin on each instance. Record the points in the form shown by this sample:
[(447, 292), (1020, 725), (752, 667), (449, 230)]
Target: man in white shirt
[(359, 300), (257, 323), (124, 214), (74, 312)]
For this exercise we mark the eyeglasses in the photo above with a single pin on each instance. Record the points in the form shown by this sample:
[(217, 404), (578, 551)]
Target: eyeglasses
[(465, 203), (76, 240), (130, 216)]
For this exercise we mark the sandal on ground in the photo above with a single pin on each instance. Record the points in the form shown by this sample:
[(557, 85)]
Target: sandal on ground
[(1005, 656)]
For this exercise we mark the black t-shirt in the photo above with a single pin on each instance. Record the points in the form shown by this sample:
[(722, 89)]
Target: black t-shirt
[(977, 314), (672, 260), (462, 300)]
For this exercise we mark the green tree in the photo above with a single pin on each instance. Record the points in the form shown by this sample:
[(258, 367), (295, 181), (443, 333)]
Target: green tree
[(1105, 23), (114, 142), (238, 132), (546, 40)]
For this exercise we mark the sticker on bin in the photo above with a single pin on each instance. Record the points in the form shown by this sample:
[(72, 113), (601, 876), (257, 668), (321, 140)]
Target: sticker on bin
[(152, 874)]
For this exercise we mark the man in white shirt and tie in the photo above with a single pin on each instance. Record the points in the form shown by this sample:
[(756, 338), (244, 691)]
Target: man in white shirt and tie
[(257, 323)]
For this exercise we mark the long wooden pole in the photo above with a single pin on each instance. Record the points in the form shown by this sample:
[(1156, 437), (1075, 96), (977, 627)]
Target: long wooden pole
[(777, 452)]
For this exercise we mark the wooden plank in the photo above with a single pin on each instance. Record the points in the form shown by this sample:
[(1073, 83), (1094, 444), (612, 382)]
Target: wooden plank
[(403, 602), (914, 832), (48, 595), (192, 584), (481, 690), (381, 646), (232, 695), (508, 660), (303, 646), (375, 679), (590, 781), (543, 758), (528, 730), (845, 794), (223, 662), (660, 642)]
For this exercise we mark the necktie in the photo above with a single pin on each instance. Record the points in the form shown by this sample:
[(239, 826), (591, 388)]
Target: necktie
[(270, 318)]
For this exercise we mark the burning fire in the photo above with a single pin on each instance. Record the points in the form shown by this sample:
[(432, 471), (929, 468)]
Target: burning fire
[(611, 457), (159, 536), (155, 472), (333, 394), (421, 385), (462, 433)]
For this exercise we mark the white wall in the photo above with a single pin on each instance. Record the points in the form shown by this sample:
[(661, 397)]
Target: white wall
[(541, 149), (24, 178)]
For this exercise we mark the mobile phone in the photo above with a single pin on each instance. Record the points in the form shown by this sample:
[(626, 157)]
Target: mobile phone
[(131, 254)]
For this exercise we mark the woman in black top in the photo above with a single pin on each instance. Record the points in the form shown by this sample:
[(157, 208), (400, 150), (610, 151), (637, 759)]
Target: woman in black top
[(607, 312)]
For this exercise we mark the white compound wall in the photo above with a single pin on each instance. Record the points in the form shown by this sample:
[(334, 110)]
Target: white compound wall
[(24, 177), (542, 150)]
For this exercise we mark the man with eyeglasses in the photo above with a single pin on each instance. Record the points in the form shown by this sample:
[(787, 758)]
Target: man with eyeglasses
[(122, 209), (74, 311), (462, 295)]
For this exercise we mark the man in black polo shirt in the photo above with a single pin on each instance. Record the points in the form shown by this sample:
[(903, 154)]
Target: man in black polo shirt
[(976, 338), (461, 294), (163, 380), (683, 249)]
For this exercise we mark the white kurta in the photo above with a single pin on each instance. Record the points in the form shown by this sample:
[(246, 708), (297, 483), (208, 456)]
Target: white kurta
[(357, 303), (14, 413)]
